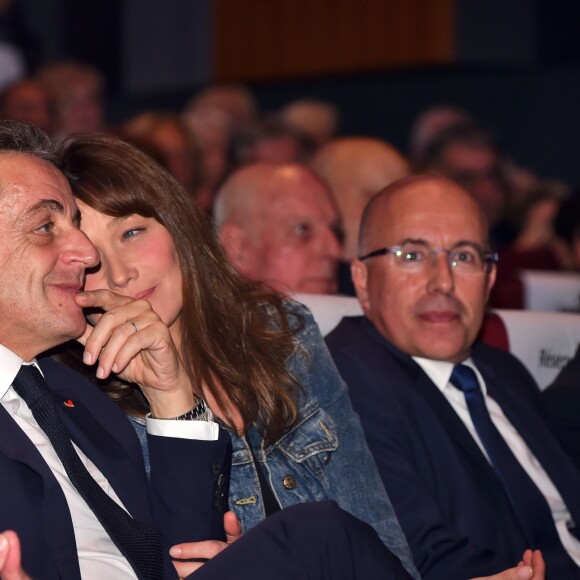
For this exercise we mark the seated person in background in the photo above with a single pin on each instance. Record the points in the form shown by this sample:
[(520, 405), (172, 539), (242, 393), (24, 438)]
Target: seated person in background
[(567, 226), (172, 142), (356, 168), (270, 141), (535, 248), (258, 361), (213, 116), (474, 473), (318, 120), (279, 225), (235, 101), (429, 123), (561, 401), (26, 100), (469, 155), (88, 510), (76, 93)]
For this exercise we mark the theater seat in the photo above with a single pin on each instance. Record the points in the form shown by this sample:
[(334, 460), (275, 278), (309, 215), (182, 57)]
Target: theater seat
[(543, 341), (550, 291), (328, 311)]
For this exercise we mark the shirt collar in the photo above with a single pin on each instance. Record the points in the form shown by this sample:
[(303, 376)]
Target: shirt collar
[(10, 364), (439, 371)]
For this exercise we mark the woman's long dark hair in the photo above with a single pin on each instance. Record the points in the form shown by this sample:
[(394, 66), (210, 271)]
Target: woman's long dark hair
[(230, 343)]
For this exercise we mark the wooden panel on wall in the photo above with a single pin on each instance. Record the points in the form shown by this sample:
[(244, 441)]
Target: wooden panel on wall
[(270, 39)]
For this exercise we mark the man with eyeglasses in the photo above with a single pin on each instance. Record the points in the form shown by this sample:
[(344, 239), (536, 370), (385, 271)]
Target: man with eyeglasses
[(472, 470)]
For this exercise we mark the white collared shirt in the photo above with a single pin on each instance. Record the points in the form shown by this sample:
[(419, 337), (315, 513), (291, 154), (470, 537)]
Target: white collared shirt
[(440, 373), (98, 555)]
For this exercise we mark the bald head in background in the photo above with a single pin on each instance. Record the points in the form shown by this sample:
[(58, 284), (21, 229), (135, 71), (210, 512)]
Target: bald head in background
[(279, 225), (356, 168)]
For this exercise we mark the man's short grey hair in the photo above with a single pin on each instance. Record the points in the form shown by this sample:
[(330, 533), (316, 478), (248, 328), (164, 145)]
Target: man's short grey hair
[(21, 137)]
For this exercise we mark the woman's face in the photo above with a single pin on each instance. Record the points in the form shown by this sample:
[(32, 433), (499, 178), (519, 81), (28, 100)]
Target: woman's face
[(138, 259)]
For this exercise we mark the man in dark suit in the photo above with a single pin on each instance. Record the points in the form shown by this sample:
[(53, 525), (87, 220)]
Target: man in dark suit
[(73, 486), (473, 472), (560, 403)]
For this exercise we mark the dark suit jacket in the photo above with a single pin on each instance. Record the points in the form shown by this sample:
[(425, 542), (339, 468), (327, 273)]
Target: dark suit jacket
[(184, 473), (449, 501), (561, 405)]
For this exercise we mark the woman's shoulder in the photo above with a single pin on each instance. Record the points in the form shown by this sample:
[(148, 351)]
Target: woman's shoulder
[(297, 315)]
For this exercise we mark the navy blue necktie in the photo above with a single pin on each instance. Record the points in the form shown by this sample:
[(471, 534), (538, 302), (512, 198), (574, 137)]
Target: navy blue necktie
[(141, 544), (526, 499)]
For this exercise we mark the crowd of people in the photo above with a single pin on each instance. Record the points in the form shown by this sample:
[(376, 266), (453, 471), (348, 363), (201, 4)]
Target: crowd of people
[(147, 317)]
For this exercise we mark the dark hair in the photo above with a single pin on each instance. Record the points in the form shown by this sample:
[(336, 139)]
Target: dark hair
[(467, 133), (22, 137), (567, 221), (230, 344)]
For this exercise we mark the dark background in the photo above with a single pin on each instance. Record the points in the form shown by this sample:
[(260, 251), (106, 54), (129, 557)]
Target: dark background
[(513, 63)]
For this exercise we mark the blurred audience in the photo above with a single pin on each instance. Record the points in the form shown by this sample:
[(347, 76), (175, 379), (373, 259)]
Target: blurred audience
[(279, 225), (536, 247), (567, 229), (26, 100), (429, 124), (270, 141), (213, 116), (167, 136), (317, 120), (12, 66), (469, 155), (76, 92), (356, 168), (235, 101)]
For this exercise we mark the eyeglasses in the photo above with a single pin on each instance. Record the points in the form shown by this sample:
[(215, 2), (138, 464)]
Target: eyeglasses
[(416, 256)]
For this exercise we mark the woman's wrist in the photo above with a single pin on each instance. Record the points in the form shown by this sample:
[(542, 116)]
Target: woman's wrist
[(167, 404), (200, 412)]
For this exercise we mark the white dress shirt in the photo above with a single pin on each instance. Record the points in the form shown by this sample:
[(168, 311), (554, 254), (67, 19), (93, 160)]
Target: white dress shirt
[(98, 555), (440, 373)]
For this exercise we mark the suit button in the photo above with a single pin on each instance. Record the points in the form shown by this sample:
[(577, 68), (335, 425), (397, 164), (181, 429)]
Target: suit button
[(215, 468), (326, 458), (220, 479), (289, 482)]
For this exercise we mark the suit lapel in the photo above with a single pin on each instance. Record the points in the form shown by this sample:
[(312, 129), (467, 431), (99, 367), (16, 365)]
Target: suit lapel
[(454, 427), (102, 432), (536, 435), (55, 517)]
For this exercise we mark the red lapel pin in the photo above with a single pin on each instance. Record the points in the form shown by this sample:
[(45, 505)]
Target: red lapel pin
[(69, 403)]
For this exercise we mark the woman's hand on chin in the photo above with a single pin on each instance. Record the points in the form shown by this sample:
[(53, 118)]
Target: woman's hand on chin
[(130, 340)]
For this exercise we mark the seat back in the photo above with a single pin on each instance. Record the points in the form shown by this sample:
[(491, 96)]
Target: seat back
[(543, 341), (550, 291), (328, 311)]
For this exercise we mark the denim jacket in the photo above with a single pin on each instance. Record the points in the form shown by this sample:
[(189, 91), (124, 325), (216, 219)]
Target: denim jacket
[(324, 456)]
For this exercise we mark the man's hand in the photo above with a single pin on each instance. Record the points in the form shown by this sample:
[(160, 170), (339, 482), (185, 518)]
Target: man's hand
[(10, 558), (531, 566), (130, 340), (204, 550)]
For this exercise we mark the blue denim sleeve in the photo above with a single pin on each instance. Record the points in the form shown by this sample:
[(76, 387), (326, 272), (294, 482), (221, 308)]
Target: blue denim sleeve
[(352, 476), (139, 425)]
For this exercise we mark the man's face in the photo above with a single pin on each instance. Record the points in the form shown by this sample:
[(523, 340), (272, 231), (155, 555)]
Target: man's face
[(435, 312), (294, 245), (43, 256)]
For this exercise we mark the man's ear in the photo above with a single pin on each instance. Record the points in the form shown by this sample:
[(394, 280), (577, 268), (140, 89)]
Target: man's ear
[(490, 281), (233, 238), (359, 274)]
